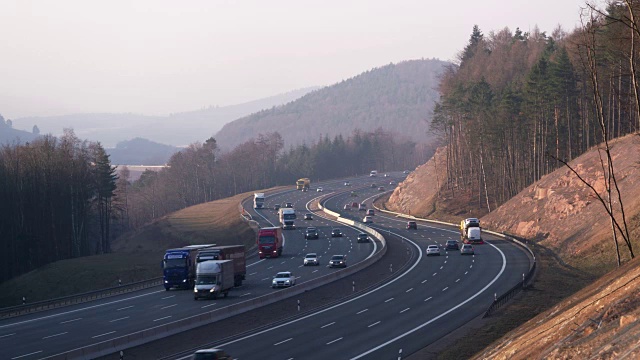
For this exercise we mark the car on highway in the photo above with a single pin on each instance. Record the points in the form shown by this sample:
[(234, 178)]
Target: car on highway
[(210, 354), (311, 233), (354, 204), (467, 249), (452, 245), (367, 219), (336, 233), (319, 189), (405, 172), (380, 188), (311, 259), (304, 189), (433, 250), (412, 225), (392, 182), (373, 186), (353, 193), (362, 207), (276, 207), (338, 261), (363, 238), (386, 175), (283, 279), (371, 212), (308, 216), (346, 183), (347, 207), (288, 205)]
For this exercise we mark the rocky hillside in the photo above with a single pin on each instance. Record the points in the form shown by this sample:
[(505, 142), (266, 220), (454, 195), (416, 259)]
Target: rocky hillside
[(396, 97), (562, 214)]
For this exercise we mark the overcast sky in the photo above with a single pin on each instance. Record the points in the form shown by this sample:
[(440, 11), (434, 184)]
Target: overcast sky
[(155, 57)]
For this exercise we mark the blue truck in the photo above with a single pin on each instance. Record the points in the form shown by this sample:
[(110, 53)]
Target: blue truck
[(179, 266)]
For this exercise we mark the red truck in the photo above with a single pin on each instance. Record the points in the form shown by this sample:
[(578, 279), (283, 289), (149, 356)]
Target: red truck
[(228, 252), (269, 242)]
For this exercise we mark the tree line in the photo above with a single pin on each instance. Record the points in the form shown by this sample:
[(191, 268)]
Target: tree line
[(519, 105), (55, 202)]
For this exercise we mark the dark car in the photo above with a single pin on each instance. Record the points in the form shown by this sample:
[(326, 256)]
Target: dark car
[(380, 188), (338, 261), (288, 205), (363, 238), (311, 233), (373, 185), (308, 216), (336, 233), (412, 225), (210, 354), (276, 207), (452, 245)]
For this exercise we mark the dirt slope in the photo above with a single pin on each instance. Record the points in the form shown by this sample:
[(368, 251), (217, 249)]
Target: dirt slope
[(560, 213)]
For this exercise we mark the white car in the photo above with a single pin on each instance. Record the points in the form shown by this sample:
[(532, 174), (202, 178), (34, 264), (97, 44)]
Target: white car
[(319, 189), (283, 279), (433, 250), (311, 259), (367, 219), (346, 183)]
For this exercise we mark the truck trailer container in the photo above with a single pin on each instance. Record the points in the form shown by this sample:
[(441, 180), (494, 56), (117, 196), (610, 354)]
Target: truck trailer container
[(213, 278), (235, 253), (179, 266)]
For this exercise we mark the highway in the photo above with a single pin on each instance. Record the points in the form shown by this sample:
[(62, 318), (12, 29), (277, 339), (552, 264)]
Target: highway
[(44, 334), (426, 300)]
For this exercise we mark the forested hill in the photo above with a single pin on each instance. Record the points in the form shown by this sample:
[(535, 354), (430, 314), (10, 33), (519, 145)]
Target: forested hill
[(396, 97), (9, 135)]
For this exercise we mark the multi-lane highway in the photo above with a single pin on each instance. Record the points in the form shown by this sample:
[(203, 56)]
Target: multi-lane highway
[(426, 300)]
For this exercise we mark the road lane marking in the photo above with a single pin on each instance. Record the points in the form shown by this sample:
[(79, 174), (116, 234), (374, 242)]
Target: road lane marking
[(7, 335), (332, 341), (247, 294), (327, 325), (126, 307), (466, 272), (441, 267), (168, 297), (282, 262), (361, 311), (208, 305), (424, 281), (434, 274), (105, 334), (21, 356), (457, 280), (407, 309), (282, 342), (388, 300), (50, 336), (374, 324), (162, 318), (122, 318), (166, 307), (68, 321), (265, 279), (409, 290), (445, 289), (253, 273), (429, 298)]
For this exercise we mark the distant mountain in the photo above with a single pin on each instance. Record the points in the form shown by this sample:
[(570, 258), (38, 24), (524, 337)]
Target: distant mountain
[(396, 97), (140, 151), (176, 129), (9, 135)]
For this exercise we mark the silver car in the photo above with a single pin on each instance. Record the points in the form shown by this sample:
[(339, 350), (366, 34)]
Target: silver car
[(311, 259), (467, 249), (283, 279), (433, 250)]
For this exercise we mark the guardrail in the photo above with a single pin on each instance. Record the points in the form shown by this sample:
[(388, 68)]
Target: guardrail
[(140, 337), (77, 298), (498, 301)]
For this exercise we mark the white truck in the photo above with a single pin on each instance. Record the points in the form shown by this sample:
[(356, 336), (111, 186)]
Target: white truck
[(470, 231), (213, 278), (287, 217), (258, 200), (373, 173)]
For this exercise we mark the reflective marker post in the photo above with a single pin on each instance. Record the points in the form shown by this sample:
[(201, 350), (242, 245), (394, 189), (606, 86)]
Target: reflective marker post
[(298, 305)]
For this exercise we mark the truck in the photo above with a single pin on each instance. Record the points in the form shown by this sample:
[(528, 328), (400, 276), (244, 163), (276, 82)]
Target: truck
[(373, 173), (287, 217), (213, 278), (235, 253), (303, 184), (269, 242), (258, 200), (179, 266), (470, 231)]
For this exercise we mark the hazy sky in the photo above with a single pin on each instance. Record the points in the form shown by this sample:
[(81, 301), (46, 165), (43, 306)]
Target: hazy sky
[(155, 57)]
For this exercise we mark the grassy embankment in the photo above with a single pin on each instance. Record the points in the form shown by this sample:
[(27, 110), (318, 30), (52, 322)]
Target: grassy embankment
[(136, 256)]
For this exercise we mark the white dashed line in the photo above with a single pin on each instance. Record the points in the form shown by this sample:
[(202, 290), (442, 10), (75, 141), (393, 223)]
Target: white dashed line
[(253, 273), (361, 311), (441, 267), (466, 272), (21, 356), (162, 318), (50, 336), (407, 309), (332, 341), (105, 334), (445, 289), (68, 321), (247, 294), (427, 299), (208, 305), (327, 325), (122, 318), (126, 307), (7, 335), (388, 300), (457, 280), (424, 281), (282, 342), (374, 324), (168, 297), (409, 290), (434, 274), (166, 307)]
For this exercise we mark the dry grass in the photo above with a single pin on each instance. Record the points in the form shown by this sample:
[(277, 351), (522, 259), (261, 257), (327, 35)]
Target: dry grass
[(136, 255)]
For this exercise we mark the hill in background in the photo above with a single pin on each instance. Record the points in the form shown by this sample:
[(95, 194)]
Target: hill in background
[(9, 135), (396, 97), (177, 129), (140, 151)]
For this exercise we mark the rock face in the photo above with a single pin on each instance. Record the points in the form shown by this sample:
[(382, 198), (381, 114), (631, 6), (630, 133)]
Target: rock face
[(417, 195)]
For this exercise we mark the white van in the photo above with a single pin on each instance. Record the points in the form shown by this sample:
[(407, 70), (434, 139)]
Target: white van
[(373, 173)]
